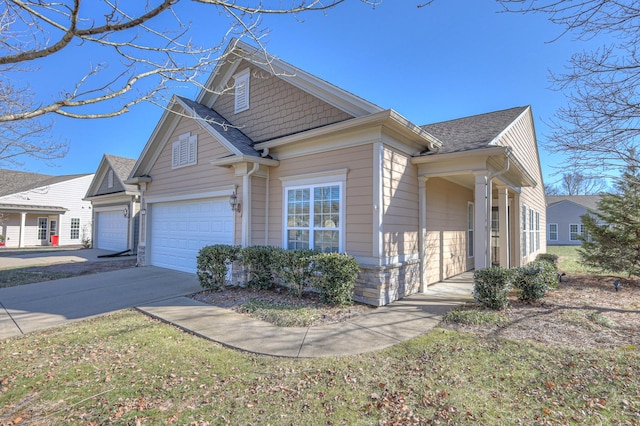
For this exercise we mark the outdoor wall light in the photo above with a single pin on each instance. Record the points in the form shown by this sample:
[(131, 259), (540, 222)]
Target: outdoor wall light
[(233, 202), (125, 212)]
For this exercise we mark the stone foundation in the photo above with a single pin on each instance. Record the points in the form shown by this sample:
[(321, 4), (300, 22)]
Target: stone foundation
[(141, 258), (381, 285)]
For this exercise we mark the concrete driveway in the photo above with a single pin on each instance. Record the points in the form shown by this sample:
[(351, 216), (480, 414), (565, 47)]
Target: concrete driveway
[(12, 259), (36, 306)]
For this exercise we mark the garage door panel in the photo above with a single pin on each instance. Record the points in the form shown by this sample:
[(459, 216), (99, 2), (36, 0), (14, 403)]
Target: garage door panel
[(180, 229), (112, 232)]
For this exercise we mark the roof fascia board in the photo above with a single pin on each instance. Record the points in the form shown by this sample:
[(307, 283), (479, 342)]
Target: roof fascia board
[(230, 161), (435, 158), (303, 80), (115, 196), (388, 118), (97, 177), (207, 128)]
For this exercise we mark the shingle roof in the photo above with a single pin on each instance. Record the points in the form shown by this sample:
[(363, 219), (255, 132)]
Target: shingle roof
[(588, 201), (12, 182), (221, 125), (474, 132), (121, 166)]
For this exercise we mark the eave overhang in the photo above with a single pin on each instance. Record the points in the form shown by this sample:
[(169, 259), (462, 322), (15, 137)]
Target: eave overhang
[(22, 208), (237, 159)]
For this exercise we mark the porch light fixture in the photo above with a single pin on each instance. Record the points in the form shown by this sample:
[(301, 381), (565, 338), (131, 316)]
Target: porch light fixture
[(233, 202), (125, 212)]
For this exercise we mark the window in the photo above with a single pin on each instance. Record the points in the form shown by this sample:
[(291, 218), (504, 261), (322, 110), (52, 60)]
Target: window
[(110, 179), (537, 231), (313, 217), (470, 226), (532, 240), (75, 228), (553, 232), (184, 151), (524, 231), (242, 91), (573, 232), (42, 228)]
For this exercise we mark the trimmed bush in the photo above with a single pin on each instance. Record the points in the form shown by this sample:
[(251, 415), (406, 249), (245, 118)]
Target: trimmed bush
[(261, 264), (535, 279), (548, 257), (298, 269), (335, 277), (491, 287), (213, 263)]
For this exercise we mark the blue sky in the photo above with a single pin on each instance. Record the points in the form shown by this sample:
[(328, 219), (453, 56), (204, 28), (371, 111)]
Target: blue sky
[(451, 59)]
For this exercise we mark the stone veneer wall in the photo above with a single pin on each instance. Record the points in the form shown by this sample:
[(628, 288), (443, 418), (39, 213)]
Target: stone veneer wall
[(141, 255), (381, 285)]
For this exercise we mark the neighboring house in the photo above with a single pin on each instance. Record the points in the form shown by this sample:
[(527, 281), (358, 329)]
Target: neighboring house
[(564, 223), (37, 210), (311, 165), (115, 204)]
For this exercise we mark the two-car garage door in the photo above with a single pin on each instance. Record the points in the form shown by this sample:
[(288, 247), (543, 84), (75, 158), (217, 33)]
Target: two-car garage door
[(180, 229)]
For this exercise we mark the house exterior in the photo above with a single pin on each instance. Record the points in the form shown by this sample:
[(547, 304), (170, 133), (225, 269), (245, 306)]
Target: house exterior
[(37, 210), (564, 223), (313, 166), (116, 205)]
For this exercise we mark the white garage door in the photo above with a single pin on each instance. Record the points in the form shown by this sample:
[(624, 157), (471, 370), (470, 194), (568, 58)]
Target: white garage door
[(180, 229), (112, 231)]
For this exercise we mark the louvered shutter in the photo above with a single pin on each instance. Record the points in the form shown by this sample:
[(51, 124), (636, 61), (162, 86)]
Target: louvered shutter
[(175, 158), (193, 149)]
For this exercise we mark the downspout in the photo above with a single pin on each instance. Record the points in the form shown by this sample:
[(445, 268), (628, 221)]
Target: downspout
[(487, 253), (246, 198), (264, 154)]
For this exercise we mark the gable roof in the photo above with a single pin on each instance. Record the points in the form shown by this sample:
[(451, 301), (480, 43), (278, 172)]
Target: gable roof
[(14, 182), (473, 132), (122, 168), (587, 201)]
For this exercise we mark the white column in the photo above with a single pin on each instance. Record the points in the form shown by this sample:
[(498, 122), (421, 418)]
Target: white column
[(482, 231), (422, 234), (23, 221), (503, 212)]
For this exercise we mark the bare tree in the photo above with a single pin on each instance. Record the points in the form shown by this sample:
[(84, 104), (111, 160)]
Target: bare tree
[(599, 128), (144, 47), (577, 183)]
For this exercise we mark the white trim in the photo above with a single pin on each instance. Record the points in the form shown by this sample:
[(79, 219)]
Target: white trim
[(577, 231), (110, 178), (220, 192), (339, 175), (110, 208), (556, 232), (471, 217), (377, 250)]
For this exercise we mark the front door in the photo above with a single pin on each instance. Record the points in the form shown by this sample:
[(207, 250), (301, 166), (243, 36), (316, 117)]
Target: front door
[(43, 228)]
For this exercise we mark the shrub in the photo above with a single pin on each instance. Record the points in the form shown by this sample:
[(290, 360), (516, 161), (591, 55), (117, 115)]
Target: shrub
[(548, 257), (213, 263), (335, 277), (491, 287), (535, 279), (261, 264), (297, 269)]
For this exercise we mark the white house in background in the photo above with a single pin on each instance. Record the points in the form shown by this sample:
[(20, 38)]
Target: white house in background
[(115, 205), (564, 225), (37, 210)]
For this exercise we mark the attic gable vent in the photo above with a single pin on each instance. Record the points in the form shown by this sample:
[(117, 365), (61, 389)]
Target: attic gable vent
[(184, 151), (242, 91)]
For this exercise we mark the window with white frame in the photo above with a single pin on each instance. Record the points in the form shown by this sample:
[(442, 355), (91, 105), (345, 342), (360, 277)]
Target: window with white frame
[(532, 229), (314, 217), (574, 232), (553, 232), (184, 151), (537, 231), (470, 226), (242, 91), (110, 179), (75, 228), (524, 231)]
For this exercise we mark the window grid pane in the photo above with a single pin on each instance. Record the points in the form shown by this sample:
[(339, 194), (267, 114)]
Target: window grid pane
[(314, 208)]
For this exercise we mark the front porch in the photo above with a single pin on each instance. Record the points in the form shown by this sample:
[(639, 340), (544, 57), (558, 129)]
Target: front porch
[(30, 226)]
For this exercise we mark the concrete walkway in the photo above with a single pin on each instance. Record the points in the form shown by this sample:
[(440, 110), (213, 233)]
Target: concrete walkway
[(386, 326)]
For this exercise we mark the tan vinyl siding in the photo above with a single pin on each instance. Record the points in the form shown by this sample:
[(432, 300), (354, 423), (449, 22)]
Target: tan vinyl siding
[(276, 108), (104, 185), (400, 204), (201, 177), (258, 209), (521, 138), (446, 229), (359, 193)]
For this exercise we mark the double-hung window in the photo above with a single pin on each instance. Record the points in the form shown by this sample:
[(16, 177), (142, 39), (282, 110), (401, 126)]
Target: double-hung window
[(553, 232), (574, 232), (313, 217), (532, 239), (525, 247), (75, 228)]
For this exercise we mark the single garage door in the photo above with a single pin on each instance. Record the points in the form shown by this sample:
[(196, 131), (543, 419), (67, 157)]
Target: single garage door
[(112, 231), (180, 229)]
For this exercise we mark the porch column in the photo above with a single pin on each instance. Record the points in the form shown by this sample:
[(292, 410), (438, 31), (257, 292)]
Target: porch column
[(422, 234), (482, 224), (503, 214), (23, 221)]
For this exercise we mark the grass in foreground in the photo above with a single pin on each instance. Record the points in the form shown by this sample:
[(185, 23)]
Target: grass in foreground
[(128, 369), (15, 277), (569, 260), (281, 314)]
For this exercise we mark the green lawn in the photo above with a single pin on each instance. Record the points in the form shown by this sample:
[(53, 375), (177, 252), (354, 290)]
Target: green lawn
[(569, 260), (129, 369)]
